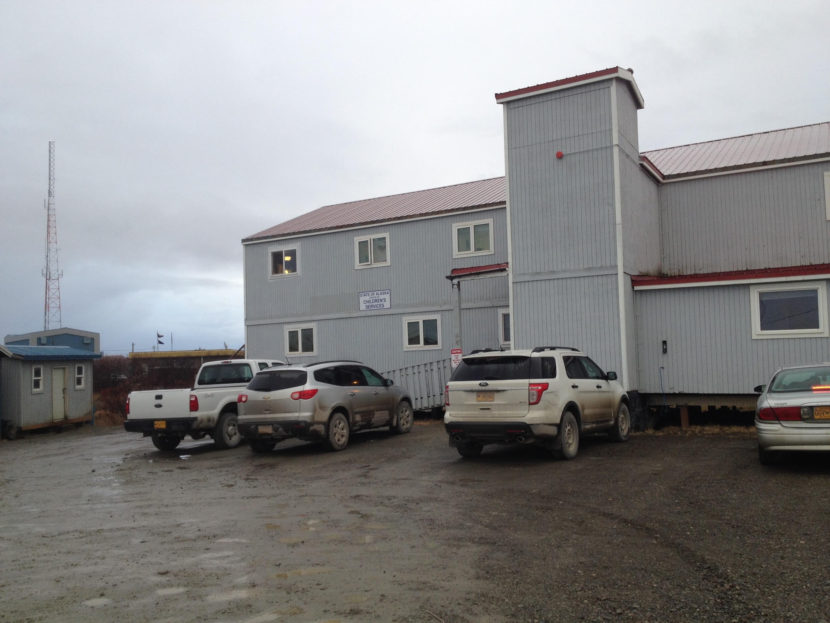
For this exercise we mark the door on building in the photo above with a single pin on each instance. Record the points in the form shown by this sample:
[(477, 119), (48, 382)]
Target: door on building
[(58, 394)]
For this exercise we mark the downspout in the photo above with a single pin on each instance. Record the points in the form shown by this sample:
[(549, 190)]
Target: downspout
[(513, 341), (618, 227)]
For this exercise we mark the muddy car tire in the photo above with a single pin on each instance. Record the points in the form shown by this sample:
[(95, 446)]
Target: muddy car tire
[(567, 441), (469, 449), (337, 433), (404, 418), (226, 434), (166, 443), (262, 446), (622, 424)]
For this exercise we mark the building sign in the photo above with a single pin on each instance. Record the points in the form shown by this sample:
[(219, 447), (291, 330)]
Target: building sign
[(377, 299)]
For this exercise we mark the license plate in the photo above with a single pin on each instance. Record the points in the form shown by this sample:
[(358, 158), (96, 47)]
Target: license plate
[(485, 396), (821, 413), (159, 424), (265, 429)]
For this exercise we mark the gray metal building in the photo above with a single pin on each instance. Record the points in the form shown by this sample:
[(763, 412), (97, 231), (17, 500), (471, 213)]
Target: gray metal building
[(692, 271)]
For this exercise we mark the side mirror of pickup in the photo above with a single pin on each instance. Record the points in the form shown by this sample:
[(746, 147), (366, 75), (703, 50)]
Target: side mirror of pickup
[(759, 389), (611, 376)]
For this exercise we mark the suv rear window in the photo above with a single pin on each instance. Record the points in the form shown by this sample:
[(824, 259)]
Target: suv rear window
[(274, 380), (505, 368)]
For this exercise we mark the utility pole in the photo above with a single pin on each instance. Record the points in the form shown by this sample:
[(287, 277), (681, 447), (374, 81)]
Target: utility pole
[(52, 273)]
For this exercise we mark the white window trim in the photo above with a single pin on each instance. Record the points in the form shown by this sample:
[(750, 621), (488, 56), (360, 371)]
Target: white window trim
[(503, 311), (372, 263), (270, 261), (300, 327), (471, 225), (420, 319), (82, 376), (819, 286), (37, 390)]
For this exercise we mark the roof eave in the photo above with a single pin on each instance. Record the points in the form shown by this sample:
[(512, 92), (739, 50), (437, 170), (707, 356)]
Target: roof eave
[(568, 83)]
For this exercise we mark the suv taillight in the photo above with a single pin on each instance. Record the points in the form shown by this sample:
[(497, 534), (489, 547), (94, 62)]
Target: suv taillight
[(534, 392), (446, 395), (194, 403), (305, 394), (128, 405), (787, 414), (242, 398)]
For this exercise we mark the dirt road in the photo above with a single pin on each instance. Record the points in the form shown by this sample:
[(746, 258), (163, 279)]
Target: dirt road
[(96, 525)]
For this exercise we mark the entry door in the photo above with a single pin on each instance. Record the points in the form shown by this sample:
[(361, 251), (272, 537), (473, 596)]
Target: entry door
[(58, 394)]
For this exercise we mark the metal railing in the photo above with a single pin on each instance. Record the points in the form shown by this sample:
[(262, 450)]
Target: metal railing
[(425, 382)]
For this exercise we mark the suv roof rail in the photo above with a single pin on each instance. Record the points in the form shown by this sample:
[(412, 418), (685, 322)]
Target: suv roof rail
[(539, 349), (485, 350), (319, 363)]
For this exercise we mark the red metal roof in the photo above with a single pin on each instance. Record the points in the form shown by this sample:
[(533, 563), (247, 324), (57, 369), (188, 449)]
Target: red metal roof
[(481, 194), (470, 271), (740, 152), (642, 282)]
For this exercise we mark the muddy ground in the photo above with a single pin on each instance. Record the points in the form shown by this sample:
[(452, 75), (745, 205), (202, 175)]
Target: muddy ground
[(96, 525)]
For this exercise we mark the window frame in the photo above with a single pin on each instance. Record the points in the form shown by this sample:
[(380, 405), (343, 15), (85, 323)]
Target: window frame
[(471, 226), (288, 329), (80, 379), (502, 312), (755, 307), (282, 249), (37, 379), (370, 238), (420, 320)]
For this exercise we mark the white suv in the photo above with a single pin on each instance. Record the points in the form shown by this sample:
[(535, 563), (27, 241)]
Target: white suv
[(549, 395)]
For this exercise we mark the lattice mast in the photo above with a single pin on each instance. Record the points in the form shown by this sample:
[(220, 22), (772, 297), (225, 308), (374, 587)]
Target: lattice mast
[(52, 273)]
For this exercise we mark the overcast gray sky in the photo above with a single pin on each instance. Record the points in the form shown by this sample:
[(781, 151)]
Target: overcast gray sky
[(183, 126)]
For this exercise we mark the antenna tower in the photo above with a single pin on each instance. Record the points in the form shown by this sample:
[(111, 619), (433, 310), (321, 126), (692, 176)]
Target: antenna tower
[(52, 302)]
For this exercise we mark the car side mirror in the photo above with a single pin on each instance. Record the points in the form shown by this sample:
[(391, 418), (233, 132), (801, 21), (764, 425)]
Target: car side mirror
[(759, 389), (611, 376), (389, 382)]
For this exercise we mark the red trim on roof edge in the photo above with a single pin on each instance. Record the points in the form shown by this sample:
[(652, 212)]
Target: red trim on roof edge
[(477, 270), (639, 281), (558, 83)]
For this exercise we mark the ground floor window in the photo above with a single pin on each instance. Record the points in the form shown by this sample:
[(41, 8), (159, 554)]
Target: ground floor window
[(789, 310), (300, 340), (80, 376), (421, 333), (504, 328), (37, 379)]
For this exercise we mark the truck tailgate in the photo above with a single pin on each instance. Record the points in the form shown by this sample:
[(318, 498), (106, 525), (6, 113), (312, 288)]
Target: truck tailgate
[(159, 404)]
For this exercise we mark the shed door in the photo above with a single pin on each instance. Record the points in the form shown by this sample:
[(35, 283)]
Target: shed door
[(58, 394)]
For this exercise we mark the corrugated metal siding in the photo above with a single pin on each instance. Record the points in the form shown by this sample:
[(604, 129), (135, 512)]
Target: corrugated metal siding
[(738, 222), (328, 284), (562, 206), (641, 220), (579, 312), (743, 151), (710, 346)]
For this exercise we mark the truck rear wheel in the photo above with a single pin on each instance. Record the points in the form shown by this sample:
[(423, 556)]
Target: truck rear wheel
[(226, 434), (166, 443)]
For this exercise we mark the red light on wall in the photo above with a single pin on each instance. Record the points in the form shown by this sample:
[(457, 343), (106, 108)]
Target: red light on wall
[(559, 155)]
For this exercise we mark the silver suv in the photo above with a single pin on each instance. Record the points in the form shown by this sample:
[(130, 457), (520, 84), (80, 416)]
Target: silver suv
[(550, 395), (323, 401)]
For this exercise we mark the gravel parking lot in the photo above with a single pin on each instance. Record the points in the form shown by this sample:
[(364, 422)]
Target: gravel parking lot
[(99, 526)]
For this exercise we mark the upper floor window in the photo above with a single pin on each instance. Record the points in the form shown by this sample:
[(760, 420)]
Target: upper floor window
[(80, 376), (371, 251), (284, 262), (37, 379), (300, 340), (474, 238), (422, 333), (789, 310)]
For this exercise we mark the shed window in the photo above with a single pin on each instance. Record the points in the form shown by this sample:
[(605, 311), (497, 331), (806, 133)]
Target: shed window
[(372, 251), (475, 238), (37, 379), (422, 333), (80, 376), (789, 310), (283, 262)]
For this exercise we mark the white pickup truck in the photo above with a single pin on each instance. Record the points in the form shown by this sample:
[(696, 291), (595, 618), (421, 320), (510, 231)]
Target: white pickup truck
[(209, 408)]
